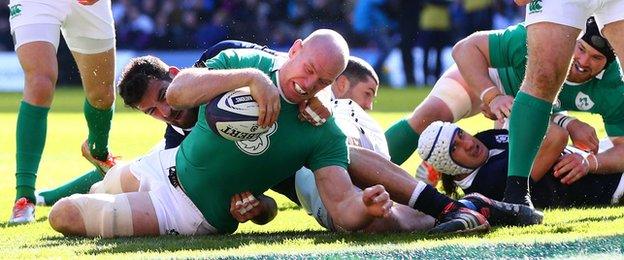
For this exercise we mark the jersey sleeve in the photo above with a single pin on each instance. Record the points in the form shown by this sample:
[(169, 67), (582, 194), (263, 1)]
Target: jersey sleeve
[(508, 47), (331, 148)]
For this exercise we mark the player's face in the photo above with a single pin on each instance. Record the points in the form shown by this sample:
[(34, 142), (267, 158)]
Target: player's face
[(587, 62), (363, 93), (307, 72), (468, 151), (154, 104)]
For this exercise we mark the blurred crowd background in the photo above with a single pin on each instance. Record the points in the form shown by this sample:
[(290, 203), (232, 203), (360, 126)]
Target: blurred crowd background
[(378, 25)]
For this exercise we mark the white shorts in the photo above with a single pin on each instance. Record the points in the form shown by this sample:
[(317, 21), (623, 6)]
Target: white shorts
[(175, 211), (457, 99), (309, 197), (87, 29), (574, 13)]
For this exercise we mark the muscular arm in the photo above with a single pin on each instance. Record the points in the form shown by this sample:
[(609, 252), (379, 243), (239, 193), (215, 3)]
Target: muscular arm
[(195, 86), (472, 57), (610, 161), (554, 142), (344, 202)]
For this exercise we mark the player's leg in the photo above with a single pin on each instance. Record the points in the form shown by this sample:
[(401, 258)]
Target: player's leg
[(402, 219), (36, 50), (119, 179), (450, 100), (90, 35), (550, 48), (611, 17), (105, 215), (78, 185), (97, 71), (368, 168)]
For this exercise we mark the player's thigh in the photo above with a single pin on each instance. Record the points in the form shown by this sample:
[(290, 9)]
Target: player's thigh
[(38, 60), (615, 34), (550, 48), (118, 179), (106, 215), (98, 74)]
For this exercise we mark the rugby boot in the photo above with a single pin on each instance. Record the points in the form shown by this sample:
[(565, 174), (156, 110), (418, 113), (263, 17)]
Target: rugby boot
[(502, 213), (102, 166), (457, 219), (23, 212)]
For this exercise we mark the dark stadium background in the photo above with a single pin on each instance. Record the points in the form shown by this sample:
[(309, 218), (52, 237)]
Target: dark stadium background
[(372, 27)]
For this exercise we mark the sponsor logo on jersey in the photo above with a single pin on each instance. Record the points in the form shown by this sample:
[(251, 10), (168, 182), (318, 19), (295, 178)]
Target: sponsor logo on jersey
[(15, 10), (501, 139), (583, 102), (258, 145), (535, 6)]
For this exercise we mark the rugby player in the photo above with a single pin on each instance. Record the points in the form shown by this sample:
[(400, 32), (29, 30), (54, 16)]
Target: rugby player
[(595, 80), (200, 210), (88, 29), (486, 169), (552, 27)]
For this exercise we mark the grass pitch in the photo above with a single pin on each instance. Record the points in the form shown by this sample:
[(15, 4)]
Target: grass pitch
[(581, 233)]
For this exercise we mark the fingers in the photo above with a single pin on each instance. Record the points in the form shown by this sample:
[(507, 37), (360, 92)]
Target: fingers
[(244, 206)]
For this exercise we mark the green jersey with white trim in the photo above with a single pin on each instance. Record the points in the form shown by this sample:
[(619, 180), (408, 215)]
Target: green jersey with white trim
[(212, 169), (603, 94)]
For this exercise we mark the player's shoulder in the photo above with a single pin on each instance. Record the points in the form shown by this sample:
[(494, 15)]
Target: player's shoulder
[(494, 138)]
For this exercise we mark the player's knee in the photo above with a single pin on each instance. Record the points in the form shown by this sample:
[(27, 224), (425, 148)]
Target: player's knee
[(39, 89), (101, 99), (66, 218)]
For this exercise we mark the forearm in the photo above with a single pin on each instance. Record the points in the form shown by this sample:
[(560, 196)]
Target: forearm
[(269, 210), (195, 86), (343, 201), (552, 146), (609, 161), (472, 59)]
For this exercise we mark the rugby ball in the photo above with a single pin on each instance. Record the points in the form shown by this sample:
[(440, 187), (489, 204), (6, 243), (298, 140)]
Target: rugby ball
[(233, 115)]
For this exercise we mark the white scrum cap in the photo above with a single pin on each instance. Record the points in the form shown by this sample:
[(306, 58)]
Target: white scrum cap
[(434, 146)]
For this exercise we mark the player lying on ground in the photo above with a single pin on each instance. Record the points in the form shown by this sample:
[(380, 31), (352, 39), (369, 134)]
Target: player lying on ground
[(479, 164), (219, 210), (593, 85), (356, 83)]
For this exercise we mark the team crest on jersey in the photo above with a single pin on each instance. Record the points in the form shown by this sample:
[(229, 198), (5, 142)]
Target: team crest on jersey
[(15, 11), (501, 139), (583, 102), (535, 6), (259, 145)]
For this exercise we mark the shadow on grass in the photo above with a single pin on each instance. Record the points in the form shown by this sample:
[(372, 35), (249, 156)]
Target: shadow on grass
[(6, 224), (225, 242)]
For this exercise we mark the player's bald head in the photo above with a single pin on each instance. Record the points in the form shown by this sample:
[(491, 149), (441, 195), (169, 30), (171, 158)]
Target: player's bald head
[(330, 45)]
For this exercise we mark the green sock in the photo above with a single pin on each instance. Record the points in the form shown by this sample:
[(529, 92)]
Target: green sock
[(527, 127), (99, 123), (402, 141), (30, 139), (80, 184)]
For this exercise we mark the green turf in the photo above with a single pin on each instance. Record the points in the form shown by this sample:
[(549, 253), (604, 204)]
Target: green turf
[(581, 233)]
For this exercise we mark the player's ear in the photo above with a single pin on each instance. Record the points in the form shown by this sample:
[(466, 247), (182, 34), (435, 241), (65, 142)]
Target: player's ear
[(340, 86), (173, 71), (295, 48)]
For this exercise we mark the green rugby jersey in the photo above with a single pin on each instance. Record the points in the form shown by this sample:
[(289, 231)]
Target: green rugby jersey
[(603, 94), (212, 169)]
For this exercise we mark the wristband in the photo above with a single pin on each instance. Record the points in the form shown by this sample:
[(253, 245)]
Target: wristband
[(562, 120), (595, 162), (485, 92)]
